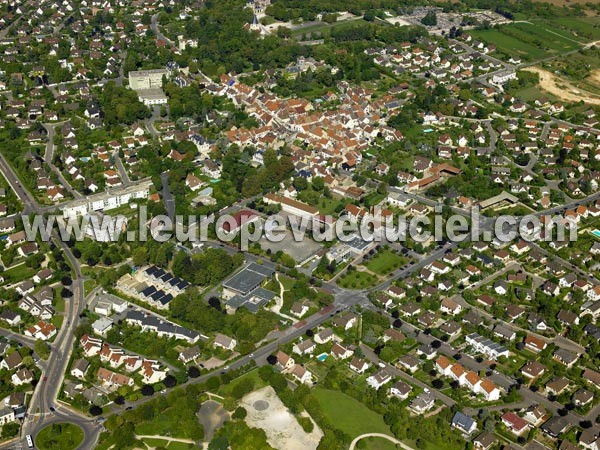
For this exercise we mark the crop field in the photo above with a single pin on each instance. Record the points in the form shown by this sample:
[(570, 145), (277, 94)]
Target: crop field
[(530, 41), (585, 29)]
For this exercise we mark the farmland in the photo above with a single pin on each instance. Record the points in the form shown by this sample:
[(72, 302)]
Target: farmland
[(529, 41)]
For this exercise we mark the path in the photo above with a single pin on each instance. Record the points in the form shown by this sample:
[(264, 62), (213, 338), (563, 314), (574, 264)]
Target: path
[(163, 438), (379, 435), (279, 301)]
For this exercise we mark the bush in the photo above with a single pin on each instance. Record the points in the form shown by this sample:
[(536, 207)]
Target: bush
[(240, 413), (10, 430), (306, 424)]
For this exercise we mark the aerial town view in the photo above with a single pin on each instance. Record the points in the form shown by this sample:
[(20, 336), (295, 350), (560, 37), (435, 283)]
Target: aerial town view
[(300, 224)]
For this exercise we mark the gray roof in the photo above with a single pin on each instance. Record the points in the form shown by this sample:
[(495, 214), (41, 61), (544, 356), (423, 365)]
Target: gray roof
[(248, 279), (252, 301), (157, 324), (463, 422), (81, 364)]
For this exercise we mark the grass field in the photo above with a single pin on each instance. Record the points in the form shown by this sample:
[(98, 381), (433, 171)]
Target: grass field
[(322, 28), (385, 262), (584, 28), (357, 280), (59, 436), (352, 417), (532, 93), (226, 389)]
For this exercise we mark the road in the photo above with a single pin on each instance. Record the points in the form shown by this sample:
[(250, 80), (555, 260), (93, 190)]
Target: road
[(167, 195), (49, 156), (156, 31), (121, 168)]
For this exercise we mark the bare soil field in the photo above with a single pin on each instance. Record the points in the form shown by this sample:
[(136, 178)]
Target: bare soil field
[(564, 89), (267, 412)]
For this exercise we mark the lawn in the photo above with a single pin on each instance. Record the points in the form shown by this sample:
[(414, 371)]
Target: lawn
[(351, 416), (385, 262), (88, 286), (60, 305), (354, 279), (59, 436), (288, 282)]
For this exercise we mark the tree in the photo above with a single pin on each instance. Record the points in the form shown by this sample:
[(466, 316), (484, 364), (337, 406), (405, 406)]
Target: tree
[(147, 390), (10, 430), (272, 359), (95, 410), (140, 256), (170, 381), (120, 400), (124, 435), (318, 184), (430, 19), (193, 372), (300, 183), (369, 16)]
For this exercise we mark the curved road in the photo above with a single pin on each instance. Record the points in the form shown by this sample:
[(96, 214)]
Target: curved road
[(40, 413)]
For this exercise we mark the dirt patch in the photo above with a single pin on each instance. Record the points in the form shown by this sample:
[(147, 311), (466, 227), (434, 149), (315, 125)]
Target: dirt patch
[(212, 416), (594, 78), (267, 412), (563, 89)]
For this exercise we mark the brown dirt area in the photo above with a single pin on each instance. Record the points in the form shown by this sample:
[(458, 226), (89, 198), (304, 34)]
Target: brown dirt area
[(564, 89)]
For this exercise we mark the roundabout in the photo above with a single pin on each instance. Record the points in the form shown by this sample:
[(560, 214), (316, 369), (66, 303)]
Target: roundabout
[(59, 436)]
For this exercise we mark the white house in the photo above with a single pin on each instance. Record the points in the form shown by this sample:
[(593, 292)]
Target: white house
[(379, 378)]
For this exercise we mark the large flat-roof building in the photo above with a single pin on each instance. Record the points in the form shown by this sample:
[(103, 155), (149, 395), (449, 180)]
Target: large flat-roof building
[(246, 280), (148, 86), (146, 79)]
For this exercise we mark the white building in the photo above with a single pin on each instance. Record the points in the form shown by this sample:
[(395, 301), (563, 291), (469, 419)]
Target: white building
[(107, 200)]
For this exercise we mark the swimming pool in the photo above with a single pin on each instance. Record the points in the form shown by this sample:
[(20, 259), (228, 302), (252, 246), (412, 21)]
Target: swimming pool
[(322, 357), (596, 233)]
